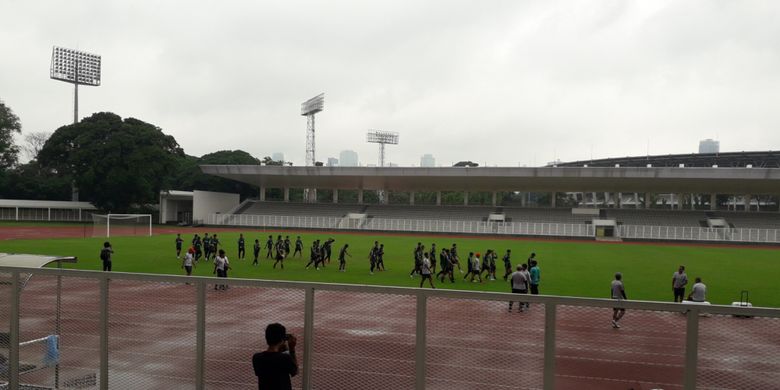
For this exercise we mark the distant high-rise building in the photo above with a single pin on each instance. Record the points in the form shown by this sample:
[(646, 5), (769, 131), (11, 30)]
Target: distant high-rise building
[(709, 146), (332, 162), (348, 158), (278, 156), (427, 161)]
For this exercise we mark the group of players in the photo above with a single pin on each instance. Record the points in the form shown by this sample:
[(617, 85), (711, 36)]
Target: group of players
[(478, 267)]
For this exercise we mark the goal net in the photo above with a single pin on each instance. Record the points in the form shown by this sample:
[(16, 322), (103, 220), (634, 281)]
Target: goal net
[(111, 225)]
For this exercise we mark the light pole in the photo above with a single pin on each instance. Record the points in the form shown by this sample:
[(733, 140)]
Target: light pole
[(308, 109)]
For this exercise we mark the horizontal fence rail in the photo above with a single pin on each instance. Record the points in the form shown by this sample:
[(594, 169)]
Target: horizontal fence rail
[(771, 236), (129, 331)]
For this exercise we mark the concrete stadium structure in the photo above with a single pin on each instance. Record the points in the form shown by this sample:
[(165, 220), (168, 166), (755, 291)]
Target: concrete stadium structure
[(746, 182)]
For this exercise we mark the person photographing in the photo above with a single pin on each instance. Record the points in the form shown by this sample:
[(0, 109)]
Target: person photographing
[(276, 365)]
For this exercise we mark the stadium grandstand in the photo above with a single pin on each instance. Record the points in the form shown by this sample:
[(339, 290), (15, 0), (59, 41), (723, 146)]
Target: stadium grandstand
[(762, 159), (615, 201)]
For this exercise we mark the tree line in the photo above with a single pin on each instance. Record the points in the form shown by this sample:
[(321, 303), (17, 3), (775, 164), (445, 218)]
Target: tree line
[(119, 165)]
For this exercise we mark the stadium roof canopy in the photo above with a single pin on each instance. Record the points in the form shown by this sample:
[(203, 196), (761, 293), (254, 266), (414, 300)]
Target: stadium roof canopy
[(46, 204), (763, 159), (31, 261), (542, 179)]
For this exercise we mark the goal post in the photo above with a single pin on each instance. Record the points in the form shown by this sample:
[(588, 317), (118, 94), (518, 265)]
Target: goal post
[(108, 225)]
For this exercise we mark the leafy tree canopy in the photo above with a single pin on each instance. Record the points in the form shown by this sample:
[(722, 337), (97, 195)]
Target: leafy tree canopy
[(116, 163), (9, 124)]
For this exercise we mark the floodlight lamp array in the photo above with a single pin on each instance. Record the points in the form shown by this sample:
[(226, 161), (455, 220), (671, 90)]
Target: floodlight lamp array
[(67, 63), (382, 137), (313, 105)]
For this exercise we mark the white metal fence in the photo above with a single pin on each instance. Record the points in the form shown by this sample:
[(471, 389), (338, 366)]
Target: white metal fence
[(44, 214), (504, 228), (131, 331)]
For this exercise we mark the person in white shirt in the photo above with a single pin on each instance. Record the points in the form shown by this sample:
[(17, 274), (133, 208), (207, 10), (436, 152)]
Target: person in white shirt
[(618, 292), (188, 261), (425, 270), (679, 281), (221, 267), (518, 281), (698, 292)]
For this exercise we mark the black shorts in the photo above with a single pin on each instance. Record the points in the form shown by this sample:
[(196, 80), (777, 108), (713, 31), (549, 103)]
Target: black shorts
[(679, 292), (188, 268), (519, 291), (222, 273), (427, 276), (535, 289)]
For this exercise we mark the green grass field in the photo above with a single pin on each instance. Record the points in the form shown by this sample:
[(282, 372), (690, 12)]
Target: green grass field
[(568, 268)]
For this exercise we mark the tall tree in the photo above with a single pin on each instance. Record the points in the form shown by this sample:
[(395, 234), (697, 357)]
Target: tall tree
[(116, 163), (33, 143), (9, 125)]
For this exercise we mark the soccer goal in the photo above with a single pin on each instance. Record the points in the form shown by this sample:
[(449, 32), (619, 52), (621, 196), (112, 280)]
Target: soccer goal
[(110, 225)]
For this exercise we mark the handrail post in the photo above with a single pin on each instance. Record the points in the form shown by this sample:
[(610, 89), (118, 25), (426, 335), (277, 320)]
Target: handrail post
[(308, 337), (421, 342), (200, 336), (104, 333), (691, 349), (13, 337), (549, 345)]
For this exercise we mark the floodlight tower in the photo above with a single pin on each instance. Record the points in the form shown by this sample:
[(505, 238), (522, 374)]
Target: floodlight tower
[(75, 67), (308, 109), (382, 138)]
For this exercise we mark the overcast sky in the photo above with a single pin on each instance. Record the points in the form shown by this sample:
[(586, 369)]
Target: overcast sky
[(497, 82)]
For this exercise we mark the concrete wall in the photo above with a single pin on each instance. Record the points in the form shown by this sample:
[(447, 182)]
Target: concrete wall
[(207, 202)]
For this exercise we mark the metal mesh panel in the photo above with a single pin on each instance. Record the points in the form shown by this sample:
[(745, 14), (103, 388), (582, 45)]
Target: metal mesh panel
[(646, 352), (738, 353), (363, 341), (479, 344), (37, 316), (151, 335), (5, 324), (235, 330)]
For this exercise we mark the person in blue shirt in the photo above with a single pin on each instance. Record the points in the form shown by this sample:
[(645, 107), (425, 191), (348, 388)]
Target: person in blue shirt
[(536, 277)]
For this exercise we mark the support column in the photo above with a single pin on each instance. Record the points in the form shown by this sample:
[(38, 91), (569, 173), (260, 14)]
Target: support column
[(619, 200), (360, 196), (680, 201), (386, 197), (747, 199), (523, 199), (495, 196), (693, 203), (713, 201), (438, 198), (286, 194), (593, 198), (411, 198), (553, 195), (636, 200), (335, 196), (262, 194), (647, 200), (465, 198), (607, 198)]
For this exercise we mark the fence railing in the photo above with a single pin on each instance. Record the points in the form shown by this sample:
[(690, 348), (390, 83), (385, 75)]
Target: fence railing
[(503, 228), (44, 214), (131, 331)]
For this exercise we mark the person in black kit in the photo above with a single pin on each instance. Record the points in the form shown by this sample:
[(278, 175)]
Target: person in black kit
[(256, 249), (417, 259), (432, 257), (274, 366), (206, 245), (314, 255), (105, 256), (214, 245), (326, 250), (444, 262), (454, 257), (298, 247), (530, 259), (241, 247), (372, 256), (197, 245), (286, 246), (342, 258), (179, 241), (280, 255), (380, 258), (270, 246)]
